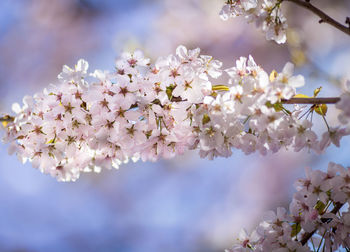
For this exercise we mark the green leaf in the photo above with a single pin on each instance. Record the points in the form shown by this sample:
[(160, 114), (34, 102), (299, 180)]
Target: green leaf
[(169, 91), (205, 119), (220, 88), (278, 106), (273, 75), (296, 228), (301, 96), (268, 104), (320, 207), (321, 109), (317, 91)]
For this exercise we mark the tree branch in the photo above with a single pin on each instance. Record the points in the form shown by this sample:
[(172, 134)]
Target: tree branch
[(328, 100), (324, 17)]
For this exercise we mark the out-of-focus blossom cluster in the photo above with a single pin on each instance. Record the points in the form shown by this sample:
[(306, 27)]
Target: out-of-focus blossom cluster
[(318, 218), (265, 13), (344, 105), (151, 111)]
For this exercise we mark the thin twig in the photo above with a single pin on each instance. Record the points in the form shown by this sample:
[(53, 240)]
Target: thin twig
[(324, 17)]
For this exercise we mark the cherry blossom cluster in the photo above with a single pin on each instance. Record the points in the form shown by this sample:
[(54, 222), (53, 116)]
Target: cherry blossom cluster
[(344, 105), (266, 14), (150, 111), (318, 217)]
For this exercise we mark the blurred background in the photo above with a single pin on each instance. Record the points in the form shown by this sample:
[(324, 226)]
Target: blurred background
[(185, 204)]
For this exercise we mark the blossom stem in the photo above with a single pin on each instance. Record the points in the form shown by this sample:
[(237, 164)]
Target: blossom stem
[(246, 120), (313, 245), (324, 119), (324, 17)]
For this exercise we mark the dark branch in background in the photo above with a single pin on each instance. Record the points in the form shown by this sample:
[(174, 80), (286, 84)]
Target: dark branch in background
[(324, 17)]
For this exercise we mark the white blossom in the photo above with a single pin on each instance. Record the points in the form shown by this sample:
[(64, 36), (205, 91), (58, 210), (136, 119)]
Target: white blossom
[(313, 213), (266, 14), (144, 111)]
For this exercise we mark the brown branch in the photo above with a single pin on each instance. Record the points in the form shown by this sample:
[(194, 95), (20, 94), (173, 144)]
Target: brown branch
[(324, 17), (328, 100), (307, 236)]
